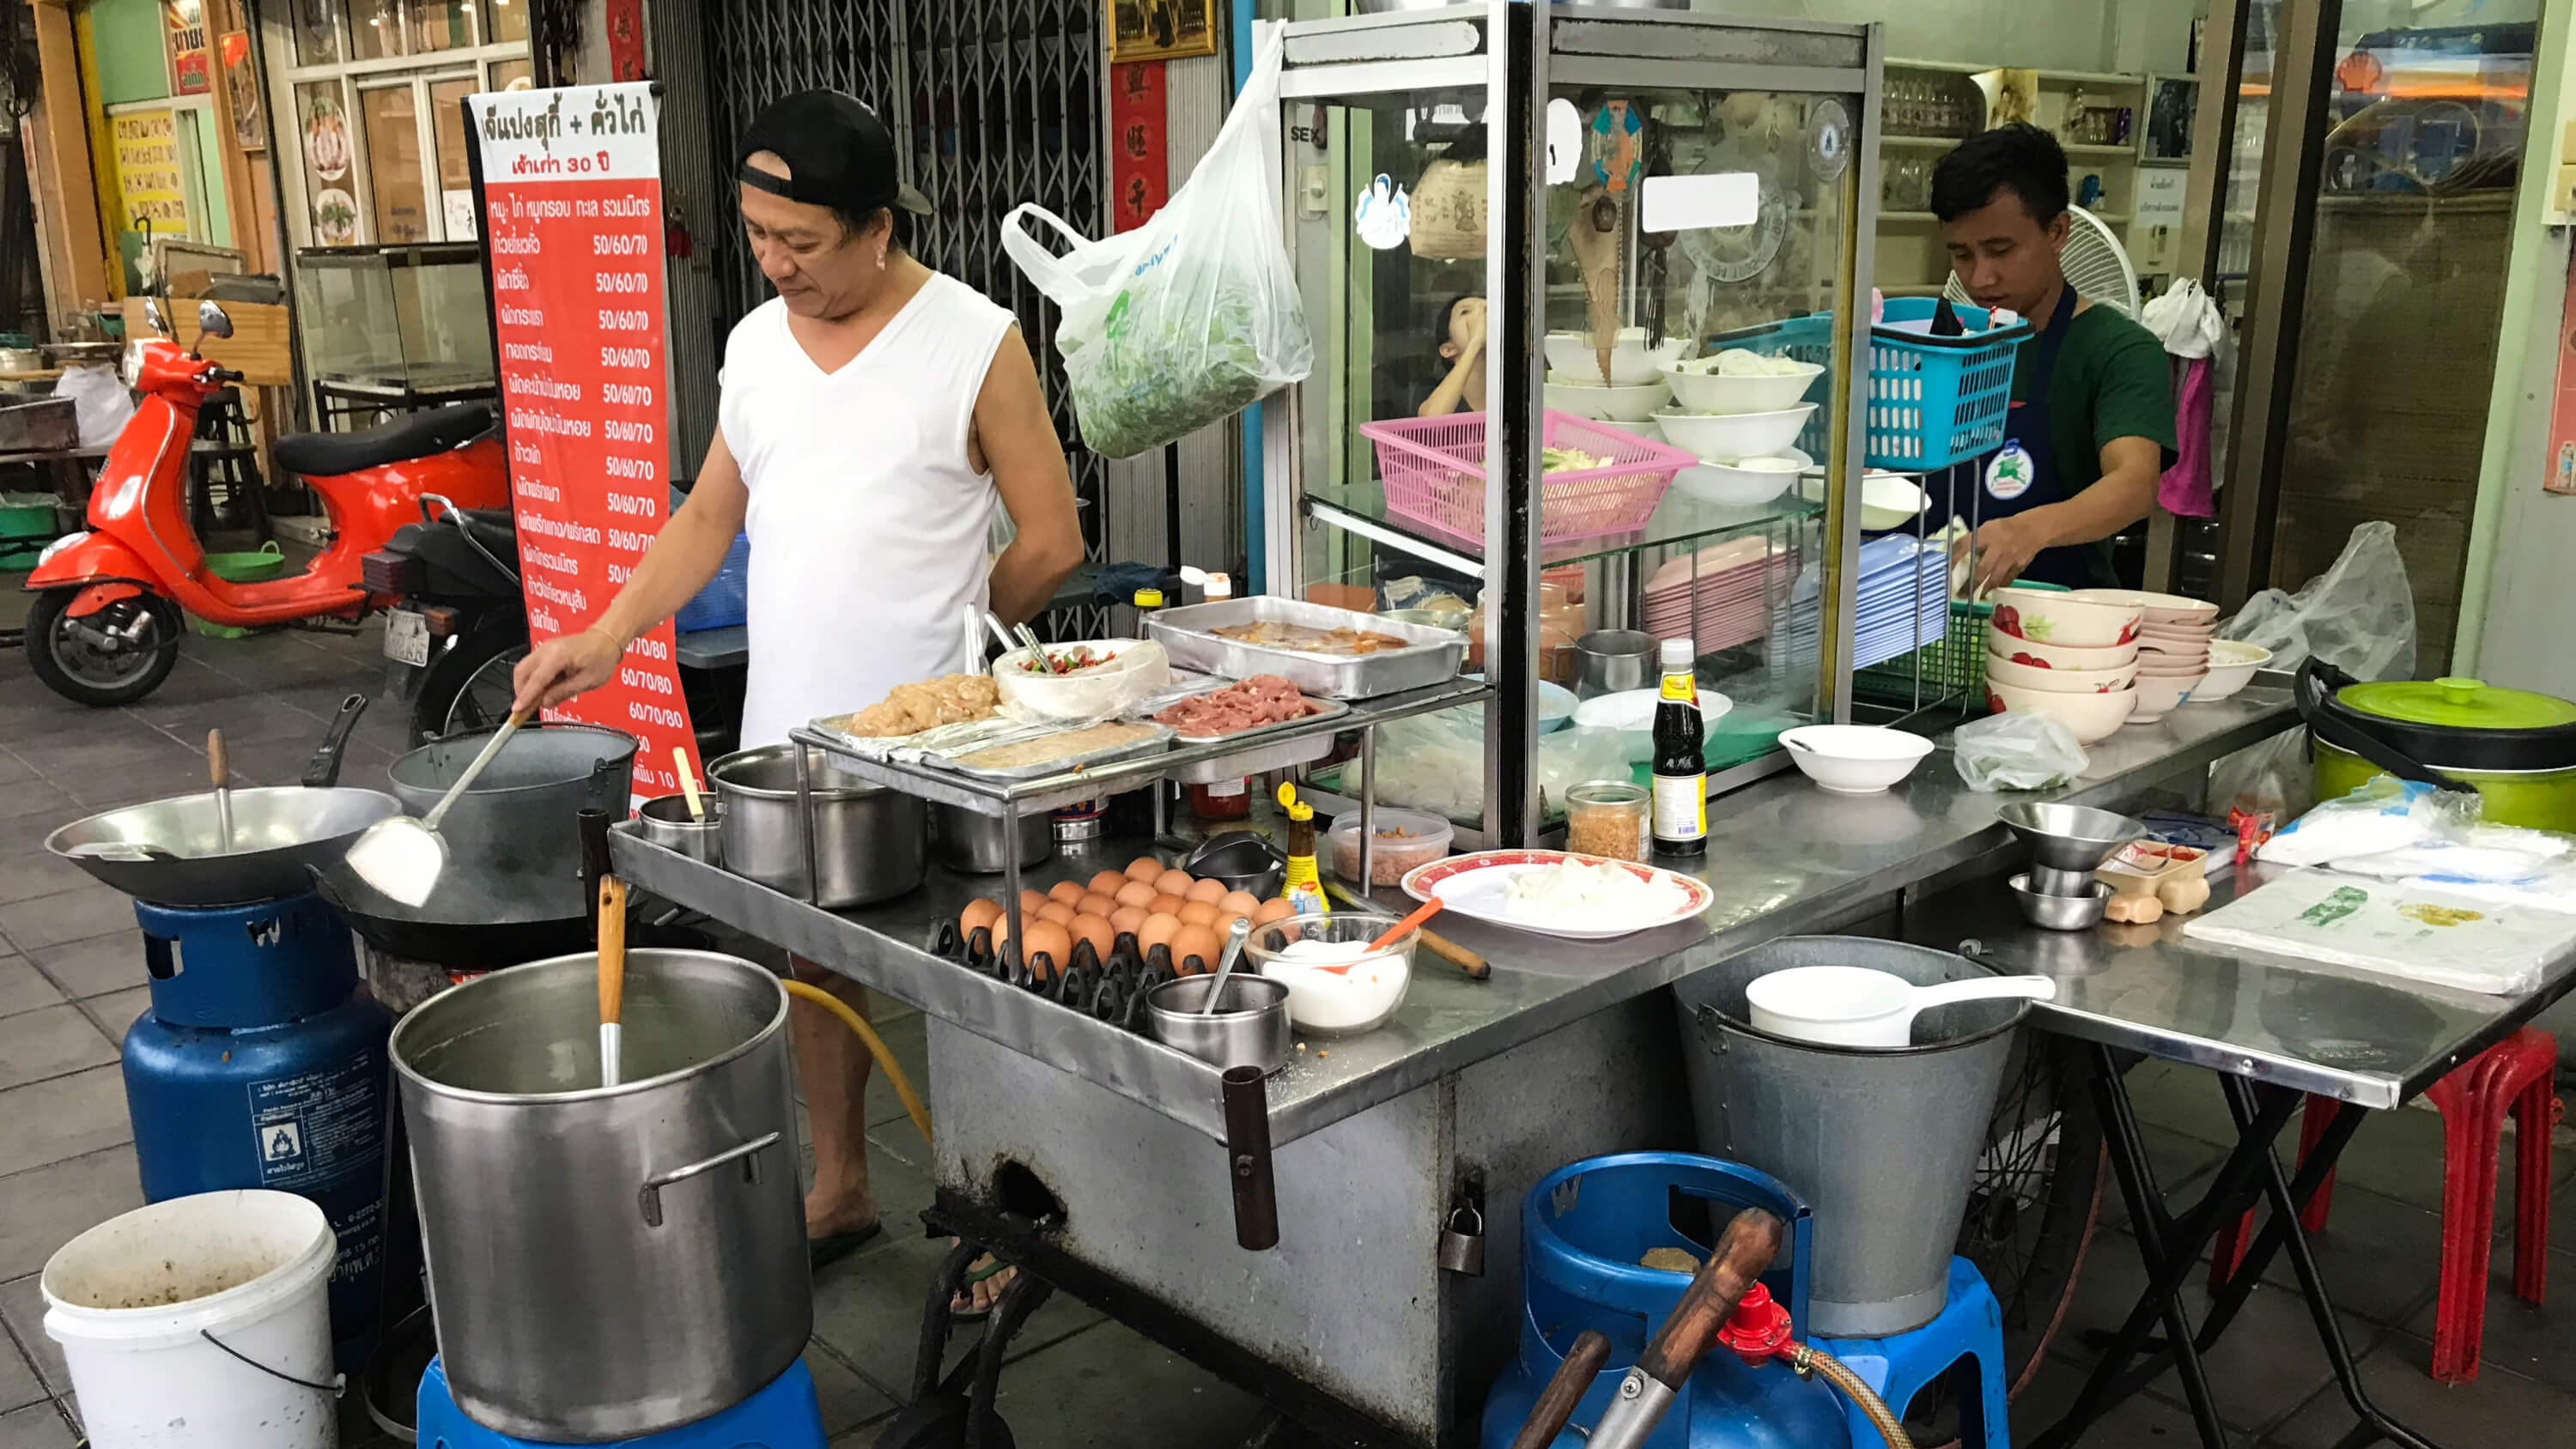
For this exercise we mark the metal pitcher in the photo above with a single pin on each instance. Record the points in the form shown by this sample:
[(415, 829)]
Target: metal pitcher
[(1882, 1143), (608, 1263)]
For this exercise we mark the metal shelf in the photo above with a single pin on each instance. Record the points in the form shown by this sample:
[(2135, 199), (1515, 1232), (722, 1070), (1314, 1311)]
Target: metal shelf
[(1679, 519)]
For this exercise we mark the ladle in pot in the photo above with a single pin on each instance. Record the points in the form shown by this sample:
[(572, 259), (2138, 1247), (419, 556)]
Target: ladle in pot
[(1854, 1006), (1225, 960), (612, 978), (219, 773), (402, 857)]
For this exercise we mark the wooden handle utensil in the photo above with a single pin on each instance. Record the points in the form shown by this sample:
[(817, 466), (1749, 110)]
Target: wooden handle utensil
[(612, 977)]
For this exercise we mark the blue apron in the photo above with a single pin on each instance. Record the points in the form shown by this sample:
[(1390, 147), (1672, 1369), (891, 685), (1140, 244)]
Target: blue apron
[(2022, 474)]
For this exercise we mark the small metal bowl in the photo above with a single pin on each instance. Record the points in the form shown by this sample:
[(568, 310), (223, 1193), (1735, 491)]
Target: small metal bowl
[(1249, 1029), (2048, 880), (665, 821), (1241, 859), (2061, 913)]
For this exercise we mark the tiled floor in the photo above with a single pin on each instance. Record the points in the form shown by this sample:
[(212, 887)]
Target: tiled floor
[(70, 982)]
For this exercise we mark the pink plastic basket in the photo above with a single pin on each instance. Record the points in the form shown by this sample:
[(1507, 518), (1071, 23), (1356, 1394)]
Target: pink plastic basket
[(1434, 469)]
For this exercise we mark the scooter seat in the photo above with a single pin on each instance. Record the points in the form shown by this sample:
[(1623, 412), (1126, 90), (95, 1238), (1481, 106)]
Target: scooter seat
[(327, 455)]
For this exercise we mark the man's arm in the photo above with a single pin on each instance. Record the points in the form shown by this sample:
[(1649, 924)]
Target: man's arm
[(1019, 445), (2124, 493)]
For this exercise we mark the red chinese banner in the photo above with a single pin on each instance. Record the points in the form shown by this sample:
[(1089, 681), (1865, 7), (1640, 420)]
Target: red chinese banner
[(570, 193), (184, 23), (1140, 176)]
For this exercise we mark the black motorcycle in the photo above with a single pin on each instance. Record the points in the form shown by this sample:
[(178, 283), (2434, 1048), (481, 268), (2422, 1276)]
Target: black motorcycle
[(460, 626)]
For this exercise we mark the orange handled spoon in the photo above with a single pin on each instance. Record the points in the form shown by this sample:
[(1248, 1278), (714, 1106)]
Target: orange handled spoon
[(1393, 933)]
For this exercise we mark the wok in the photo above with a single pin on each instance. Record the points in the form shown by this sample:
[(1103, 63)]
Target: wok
[(481, 920), (279, 833)]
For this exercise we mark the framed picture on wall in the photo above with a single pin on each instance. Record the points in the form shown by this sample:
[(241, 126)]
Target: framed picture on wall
[(1161, 29), (2171, 104)]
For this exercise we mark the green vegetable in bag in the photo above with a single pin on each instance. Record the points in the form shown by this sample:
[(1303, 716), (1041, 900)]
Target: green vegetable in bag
[(1139, 386)]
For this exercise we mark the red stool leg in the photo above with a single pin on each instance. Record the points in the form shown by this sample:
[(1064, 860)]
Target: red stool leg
[(2531, 1120), (2318, 1115), (2471, 1130), (2227, 1250)]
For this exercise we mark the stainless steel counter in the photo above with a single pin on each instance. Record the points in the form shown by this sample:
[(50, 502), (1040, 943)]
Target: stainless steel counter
[(2359, 1036), (1783, 858)]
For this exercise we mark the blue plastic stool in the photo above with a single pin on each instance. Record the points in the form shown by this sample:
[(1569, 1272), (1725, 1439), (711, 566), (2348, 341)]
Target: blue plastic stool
[(784, 1415), (1898, 1368)]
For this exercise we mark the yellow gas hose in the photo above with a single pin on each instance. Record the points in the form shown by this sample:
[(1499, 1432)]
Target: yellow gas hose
[(876, 1048), (1807, 1358)]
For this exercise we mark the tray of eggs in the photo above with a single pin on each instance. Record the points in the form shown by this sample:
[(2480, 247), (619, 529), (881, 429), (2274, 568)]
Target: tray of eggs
[(1098, 946)]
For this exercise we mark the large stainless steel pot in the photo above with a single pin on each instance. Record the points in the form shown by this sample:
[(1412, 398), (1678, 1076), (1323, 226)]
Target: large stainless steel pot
[(522, 818), (972, 842), (607, 1263), (867, 839)]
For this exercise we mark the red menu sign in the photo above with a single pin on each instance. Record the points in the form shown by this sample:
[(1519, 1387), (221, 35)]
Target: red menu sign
[(571, 201)]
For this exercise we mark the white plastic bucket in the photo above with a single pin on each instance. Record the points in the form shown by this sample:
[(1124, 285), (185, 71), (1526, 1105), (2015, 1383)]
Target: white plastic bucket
[(132, 1302)]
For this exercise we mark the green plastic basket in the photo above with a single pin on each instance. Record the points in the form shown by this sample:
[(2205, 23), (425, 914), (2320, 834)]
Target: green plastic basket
[(27, 523), (248, 568)]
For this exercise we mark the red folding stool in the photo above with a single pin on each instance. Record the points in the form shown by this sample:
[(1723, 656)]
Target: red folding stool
[(2513, 1076)]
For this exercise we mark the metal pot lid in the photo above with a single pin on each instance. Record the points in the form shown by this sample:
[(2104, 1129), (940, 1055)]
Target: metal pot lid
[(2465, 724)]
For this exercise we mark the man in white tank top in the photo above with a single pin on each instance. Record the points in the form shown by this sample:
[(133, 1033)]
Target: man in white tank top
[(874, 417)]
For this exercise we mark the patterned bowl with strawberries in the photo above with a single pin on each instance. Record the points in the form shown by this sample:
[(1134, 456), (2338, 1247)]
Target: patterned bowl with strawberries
[(2047, 617), (2000, 645)]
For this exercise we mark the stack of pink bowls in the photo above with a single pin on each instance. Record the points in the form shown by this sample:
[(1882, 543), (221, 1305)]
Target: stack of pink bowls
[(2060, 654), (2173, 647)]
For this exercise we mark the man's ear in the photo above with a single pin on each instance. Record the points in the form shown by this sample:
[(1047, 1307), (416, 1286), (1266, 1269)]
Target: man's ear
[(2059, 229)]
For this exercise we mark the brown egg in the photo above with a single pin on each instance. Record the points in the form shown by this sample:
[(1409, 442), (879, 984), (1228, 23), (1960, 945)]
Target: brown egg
[(978, 916), (1145, 868), (1239, 903), (1175, 883), (1030, 901), (1166, 904), (1050, 941), (1056, 911), (1127, 920), (1096, 904), (1135, 893), (1271, 913), (1107, 883), (1066, 891), (1197, 913), (1196, 943), (1225, 926), (1206, 890), (1097, 931), (1158, 930)]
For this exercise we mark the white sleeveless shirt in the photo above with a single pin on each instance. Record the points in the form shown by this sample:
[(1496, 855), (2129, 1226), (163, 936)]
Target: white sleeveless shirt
[(868, 526)]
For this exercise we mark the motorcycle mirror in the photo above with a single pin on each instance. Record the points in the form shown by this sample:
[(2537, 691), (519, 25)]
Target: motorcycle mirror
[(212, 320)]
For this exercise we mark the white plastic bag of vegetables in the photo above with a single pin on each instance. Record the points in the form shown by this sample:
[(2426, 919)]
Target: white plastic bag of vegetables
[(1193, 316)]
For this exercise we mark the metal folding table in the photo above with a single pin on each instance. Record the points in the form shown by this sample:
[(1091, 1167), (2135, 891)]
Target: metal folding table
[(2272, 1029)]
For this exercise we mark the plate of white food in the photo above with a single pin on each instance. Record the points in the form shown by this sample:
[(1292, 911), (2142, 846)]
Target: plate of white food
[(1557, 893)]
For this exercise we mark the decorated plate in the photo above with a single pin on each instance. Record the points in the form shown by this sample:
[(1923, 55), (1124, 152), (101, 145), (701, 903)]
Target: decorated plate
[(1477, 886)]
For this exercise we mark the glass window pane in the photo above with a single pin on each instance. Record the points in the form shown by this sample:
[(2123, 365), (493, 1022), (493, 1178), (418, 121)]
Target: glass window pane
[(441, 25), (393, 164), (330, 163), (317, 39), (513, 75), (455, 171), (506, 20), (375, 29)]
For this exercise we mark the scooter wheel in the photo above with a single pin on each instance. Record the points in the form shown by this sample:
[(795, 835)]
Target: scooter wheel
[(82, 670)]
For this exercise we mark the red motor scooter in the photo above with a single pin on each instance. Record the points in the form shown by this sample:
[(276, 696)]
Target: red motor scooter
[(106, 621)]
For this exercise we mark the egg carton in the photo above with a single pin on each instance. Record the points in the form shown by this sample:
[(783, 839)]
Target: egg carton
[(1111, 990)]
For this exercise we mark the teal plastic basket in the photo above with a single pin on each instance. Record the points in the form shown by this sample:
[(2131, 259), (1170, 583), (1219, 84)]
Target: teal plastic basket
[(1933, 401)]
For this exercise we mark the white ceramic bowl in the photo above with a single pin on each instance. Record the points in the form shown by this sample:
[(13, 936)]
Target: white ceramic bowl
[(2050, 617), (1136, 668), (2232, 665), (2158, 694), (1608, 404), (2160, 608), (2089, 717), (2000, 645), (1887, 500), (1743, 484), (1699, 387), (1729, 439), (1854, 759), (1631, 712), (2156, 649), (2061, 681), (1646, 428), (1631, 363)]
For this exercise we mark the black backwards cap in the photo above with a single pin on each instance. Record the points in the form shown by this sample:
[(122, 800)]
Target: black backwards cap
[(838, 154)]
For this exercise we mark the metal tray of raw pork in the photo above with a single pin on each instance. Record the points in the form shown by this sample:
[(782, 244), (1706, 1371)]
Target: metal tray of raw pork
[(1425, 656), (1263, 754)]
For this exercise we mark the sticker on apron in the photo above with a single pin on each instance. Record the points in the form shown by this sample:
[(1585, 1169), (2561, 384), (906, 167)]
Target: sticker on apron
[(2009, 474)]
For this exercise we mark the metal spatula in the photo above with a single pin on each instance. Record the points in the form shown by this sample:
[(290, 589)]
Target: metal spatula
[(402, 857)]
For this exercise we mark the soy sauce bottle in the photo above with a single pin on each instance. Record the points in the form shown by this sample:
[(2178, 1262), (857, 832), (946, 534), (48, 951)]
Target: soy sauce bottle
[(1681, 767)]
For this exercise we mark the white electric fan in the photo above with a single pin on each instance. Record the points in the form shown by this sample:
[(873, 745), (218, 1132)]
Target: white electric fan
[(2095, 263)]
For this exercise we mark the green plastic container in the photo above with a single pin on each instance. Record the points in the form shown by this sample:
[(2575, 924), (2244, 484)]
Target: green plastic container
[(240, 568), (27, 523)]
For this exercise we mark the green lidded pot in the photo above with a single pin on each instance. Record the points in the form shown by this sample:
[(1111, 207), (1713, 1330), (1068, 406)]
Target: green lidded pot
[(2514, 747)]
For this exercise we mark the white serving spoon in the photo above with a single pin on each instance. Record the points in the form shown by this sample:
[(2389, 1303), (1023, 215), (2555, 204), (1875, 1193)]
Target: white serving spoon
[(1854, 1006), (402, 857)]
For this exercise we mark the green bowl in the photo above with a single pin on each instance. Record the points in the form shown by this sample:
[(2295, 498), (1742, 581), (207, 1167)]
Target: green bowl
[(247, 568)]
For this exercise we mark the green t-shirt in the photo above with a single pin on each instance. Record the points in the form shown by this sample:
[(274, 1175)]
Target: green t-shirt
[(2111, 381)]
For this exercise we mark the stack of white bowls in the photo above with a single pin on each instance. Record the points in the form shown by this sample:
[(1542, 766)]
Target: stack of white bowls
[(2073, 659), (2173, 646), (1740, 414)]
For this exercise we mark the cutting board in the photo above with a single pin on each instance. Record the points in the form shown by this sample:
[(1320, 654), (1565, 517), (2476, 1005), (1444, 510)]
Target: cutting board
[(2394, 927)]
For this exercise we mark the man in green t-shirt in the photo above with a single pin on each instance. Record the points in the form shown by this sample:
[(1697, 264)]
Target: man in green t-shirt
[(2092, 422)]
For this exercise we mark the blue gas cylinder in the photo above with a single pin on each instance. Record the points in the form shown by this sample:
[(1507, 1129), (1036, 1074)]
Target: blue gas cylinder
[(1583, 1230), (260, 1064)]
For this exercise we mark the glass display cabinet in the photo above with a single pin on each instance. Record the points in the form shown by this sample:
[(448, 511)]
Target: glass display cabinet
[(1662, 221), (411, 318)]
